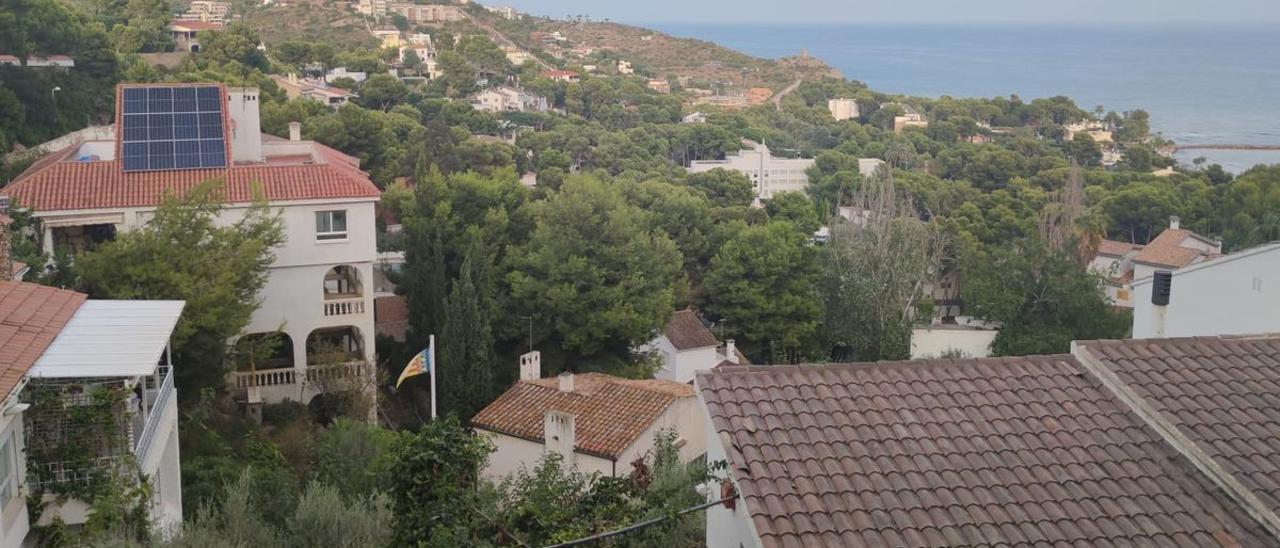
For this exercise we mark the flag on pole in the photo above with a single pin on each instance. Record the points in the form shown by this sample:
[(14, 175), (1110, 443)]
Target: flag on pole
[(421, 363)]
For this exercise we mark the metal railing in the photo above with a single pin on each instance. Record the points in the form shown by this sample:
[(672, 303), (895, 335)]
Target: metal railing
[(160, 400)]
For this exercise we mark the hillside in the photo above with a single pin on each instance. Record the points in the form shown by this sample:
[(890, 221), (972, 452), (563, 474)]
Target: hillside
[(331, 22), (663, 55)]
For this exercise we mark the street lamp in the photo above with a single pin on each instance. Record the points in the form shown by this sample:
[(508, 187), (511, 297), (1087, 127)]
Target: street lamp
[(53, 93)]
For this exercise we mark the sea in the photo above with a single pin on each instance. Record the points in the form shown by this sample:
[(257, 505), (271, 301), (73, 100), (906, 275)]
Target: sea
[(1202, 84)]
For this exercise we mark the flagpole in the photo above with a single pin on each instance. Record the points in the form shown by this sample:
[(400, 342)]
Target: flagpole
[(431, 359)]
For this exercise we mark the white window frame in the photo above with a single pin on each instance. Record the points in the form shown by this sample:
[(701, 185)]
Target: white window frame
[(9, 480), (331, 235)]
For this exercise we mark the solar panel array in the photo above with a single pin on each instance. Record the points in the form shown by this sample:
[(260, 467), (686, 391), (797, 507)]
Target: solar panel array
[(173, 127)]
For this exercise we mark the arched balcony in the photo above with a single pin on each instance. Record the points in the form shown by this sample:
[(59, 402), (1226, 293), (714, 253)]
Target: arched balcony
[(343, 291), (334, 345)]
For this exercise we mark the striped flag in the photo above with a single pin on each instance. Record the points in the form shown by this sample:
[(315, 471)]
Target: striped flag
[(423, 362)]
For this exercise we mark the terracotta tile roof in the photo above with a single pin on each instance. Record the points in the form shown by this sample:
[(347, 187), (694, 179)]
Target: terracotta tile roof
[(1222, 393), (56, 183), (1025, 451), (686, 331), (610, 413), (1166, 249), (1113, 248), (31, 316), (195, 25)]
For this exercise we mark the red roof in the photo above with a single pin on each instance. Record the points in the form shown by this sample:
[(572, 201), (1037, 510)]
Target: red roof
[(1116, 249), (197, 25), (611, 413), (7, 57), (1167, 250), (58, 183), (686, 331), (31, 317)]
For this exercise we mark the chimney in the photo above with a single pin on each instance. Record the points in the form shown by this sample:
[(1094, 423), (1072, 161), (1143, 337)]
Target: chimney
[(246, 126), (6, 257), (558, 434), (566, 381), (531, 366), (1175, 222), (1161, 291), (731, 351), (295, 131)]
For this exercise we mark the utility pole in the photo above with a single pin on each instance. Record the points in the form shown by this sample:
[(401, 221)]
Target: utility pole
[(530, 318)]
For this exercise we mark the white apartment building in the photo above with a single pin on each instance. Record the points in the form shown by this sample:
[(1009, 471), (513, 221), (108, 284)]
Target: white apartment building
[(318, 295), (843, 109), (509, 99), (61, 352), (768, 173), (372, 8), (1236, 294)]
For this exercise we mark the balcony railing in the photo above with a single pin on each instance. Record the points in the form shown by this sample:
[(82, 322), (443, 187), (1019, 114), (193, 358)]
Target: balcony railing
[(159, 398), (266, 377), (343, 307)]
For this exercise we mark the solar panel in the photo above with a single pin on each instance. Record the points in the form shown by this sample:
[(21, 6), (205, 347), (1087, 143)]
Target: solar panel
[(172, 127)]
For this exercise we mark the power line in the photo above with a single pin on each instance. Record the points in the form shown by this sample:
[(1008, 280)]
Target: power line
[(643, 524)]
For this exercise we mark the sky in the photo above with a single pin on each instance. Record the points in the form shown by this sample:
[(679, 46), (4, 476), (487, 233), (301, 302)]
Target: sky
[(907, 11)]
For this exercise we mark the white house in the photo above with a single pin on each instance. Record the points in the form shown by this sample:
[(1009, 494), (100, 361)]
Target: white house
[(1122, 263), (342, 72), (598, 423), (318, 295), (768, 173), (694, 118), (843, 109), (687, 346), (508, 99), (61, 352), (1236, 294), (315, 90), (184, 33)]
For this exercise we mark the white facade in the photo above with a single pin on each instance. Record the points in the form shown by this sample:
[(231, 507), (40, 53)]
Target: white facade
[(726, 528), (937, 340), (15, 520), (769, 174), (843, 109), (1238, 294), (508, 99)]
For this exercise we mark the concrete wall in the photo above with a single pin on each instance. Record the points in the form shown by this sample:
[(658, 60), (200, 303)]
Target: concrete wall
[(725, 528), (681, 365), (14, 519), (934, 341), (164, 471), (1234, 295), (511, 454)]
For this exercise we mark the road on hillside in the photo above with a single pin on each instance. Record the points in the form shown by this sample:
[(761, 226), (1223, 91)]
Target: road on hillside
[(504, 41), (777, 99)]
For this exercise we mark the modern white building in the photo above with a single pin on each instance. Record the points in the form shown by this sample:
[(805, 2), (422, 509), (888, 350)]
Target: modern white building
[(1236, 294), (342, 72), (687, 346), (768, 173), (64, 353), (509, 99), (843, 109), (318, 299), (598, 423), (694, 118)]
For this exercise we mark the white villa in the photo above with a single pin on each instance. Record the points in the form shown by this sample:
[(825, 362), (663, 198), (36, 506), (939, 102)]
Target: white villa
[(687, 346), (509, 99), (598, 423), (318, 299), (62, 352), (770, 174), (843, 109)]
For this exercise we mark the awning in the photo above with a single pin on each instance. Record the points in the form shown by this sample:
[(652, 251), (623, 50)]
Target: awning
[(110, 339)]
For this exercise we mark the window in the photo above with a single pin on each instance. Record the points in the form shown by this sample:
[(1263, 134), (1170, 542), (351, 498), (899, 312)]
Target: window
[(331, 225), (8, 472)]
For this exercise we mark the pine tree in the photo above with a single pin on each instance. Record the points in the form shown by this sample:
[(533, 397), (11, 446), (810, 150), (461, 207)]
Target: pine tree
[(466, 356)]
